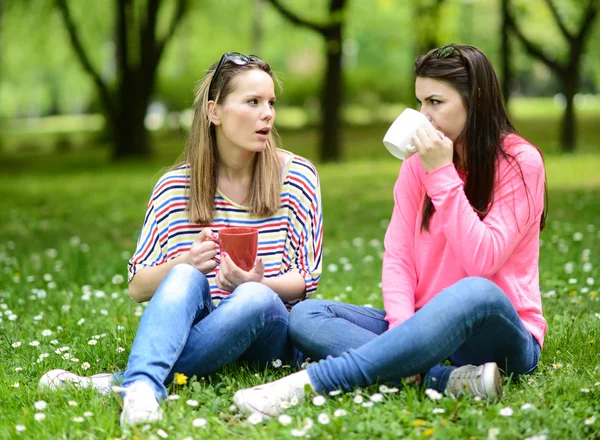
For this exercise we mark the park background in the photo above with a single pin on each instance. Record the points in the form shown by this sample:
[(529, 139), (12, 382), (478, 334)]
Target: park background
[(94, 103)]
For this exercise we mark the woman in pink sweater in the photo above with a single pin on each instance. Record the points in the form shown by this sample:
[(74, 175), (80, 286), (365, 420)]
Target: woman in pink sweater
[(460, 270)]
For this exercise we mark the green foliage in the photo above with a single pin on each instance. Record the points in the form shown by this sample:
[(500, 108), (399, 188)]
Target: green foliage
[(40, 74), (71, 223)]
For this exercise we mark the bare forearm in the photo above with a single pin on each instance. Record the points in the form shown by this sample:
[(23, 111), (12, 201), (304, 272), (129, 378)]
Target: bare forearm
[(146, 280), (290, 286)]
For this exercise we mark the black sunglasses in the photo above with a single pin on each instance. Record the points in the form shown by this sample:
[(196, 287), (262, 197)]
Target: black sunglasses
[(235, 57)]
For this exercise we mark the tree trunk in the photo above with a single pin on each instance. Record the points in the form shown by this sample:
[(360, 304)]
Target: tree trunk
[(257, 27), (505, 51), (130, 134), (332, 99), (570, 82)]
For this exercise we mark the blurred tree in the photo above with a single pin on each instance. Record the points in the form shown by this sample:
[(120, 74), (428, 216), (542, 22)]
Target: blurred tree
[(505, 51), (138, 52), (257, 26), (427, 18), (332, 86), (568, 71)]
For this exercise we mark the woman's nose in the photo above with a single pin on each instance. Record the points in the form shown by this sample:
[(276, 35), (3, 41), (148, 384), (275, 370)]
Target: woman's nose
[(268, 113), (424, 112)]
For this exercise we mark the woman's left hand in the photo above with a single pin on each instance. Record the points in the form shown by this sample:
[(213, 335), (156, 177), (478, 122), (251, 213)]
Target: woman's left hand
[(230, 276), (434, 148)]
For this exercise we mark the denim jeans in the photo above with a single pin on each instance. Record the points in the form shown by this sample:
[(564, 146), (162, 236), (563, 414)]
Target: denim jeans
[(470, 322), (181, 332)]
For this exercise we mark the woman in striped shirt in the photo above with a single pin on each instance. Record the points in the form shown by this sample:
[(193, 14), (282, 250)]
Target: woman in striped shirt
[(205, 312)]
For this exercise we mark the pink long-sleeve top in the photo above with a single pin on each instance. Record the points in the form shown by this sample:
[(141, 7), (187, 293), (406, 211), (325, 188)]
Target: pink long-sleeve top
[(503, 247)]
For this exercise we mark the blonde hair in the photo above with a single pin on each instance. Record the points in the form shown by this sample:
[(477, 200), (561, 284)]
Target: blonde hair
[(201, 154)]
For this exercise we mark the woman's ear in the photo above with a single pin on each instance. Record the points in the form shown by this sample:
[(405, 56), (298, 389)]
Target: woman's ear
[(214, 113)]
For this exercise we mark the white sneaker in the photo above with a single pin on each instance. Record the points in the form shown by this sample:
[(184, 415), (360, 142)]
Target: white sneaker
[(267, 399), (483, 381), (55, 379), (139, 404)]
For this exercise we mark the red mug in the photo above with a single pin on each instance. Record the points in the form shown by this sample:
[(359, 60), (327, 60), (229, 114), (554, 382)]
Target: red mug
[(241, 244)]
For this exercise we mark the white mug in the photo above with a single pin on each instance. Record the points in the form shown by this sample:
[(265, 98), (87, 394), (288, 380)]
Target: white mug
[(397, 140)]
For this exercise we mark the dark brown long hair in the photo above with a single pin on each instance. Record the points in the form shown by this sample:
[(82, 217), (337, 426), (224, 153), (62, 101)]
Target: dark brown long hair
[(470, 73)]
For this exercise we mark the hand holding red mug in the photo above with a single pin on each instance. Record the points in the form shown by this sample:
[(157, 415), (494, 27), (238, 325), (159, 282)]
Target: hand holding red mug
[(203, 251), (238, 262), (230, 276)]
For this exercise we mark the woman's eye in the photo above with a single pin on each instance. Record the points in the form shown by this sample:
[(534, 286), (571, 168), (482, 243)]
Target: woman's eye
[(272, 103), (253, 101), (434, 102)]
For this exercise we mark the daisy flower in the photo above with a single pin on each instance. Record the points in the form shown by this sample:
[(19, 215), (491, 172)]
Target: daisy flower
[(340, 413), (284, 419), (319, 401), (433, 394), (40, 405), (323, 419), (255, 419)]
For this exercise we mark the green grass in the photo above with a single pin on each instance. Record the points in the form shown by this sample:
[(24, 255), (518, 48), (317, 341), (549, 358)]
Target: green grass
[(69, 225)]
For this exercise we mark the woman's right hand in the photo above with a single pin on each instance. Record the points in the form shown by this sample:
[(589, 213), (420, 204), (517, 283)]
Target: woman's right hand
[(203, 251)]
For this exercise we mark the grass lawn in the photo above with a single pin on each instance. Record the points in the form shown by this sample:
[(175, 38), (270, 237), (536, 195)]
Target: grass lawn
[(69, 225)]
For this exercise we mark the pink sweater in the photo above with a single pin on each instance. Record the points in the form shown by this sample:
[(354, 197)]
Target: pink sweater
[(503, 248)]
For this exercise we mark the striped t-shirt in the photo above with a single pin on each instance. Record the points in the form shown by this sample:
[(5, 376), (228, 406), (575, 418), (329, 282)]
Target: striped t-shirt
[(288, 240)]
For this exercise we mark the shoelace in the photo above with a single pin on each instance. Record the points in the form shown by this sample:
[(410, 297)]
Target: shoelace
[(471, 379)]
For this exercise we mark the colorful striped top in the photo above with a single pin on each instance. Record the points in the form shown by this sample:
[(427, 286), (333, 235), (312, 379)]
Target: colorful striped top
[(288, 240)]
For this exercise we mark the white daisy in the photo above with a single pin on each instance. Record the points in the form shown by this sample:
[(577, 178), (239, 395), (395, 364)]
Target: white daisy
[(377, 397), (200, 422), (284, 419), (433, 394), (340, 413), (255, 419), (38, 417), (40, 405), (323, 419), (319, 401)]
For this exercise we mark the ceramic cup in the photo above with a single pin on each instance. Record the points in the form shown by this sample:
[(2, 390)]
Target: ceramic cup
[(397, 140), (241, 244)]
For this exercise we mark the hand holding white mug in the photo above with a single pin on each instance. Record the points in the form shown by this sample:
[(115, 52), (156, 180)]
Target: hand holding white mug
[(434, 148), (398, 139)]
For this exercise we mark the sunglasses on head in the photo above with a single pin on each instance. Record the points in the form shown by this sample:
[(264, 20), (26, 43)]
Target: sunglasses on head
[(236, 58), (445, 51)]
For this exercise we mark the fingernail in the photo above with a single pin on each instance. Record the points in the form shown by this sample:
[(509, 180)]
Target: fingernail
[(224, 254), (213, 235)]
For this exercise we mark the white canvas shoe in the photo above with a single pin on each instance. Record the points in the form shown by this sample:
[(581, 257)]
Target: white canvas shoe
[(55, 379), (267, 399), (139, 404), (475, 380)]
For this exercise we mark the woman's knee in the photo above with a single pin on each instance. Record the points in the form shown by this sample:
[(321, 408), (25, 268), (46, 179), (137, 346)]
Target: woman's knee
[(306, 311), (302, 318), (480, 292), (255, 296), (184, 281)]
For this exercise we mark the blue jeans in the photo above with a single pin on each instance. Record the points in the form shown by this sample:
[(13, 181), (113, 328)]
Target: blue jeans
[(470, 322), (181, 332)]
